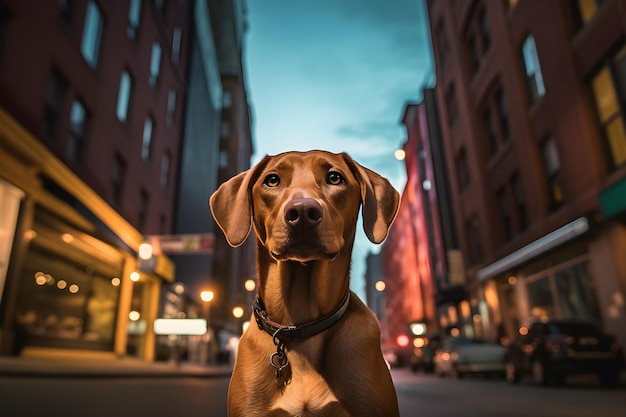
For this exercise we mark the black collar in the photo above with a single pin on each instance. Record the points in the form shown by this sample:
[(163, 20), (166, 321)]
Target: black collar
[(288, 333)]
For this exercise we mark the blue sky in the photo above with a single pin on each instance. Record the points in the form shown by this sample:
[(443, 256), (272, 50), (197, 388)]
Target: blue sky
[(336, 75)]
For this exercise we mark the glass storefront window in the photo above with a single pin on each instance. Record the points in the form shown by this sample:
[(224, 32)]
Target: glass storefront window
[(564, 292), (61, 301), (576, 299), (68, 288), (540, 298)]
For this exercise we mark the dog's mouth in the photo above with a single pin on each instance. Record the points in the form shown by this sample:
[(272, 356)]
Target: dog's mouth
[(303, 251)]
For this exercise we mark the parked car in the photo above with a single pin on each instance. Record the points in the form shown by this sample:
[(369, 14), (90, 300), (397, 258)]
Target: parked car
[(551, 349), (457, 356)]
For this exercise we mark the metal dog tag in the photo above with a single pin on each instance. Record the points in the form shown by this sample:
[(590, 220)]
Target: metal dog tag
[(280, 362), (283, 375)]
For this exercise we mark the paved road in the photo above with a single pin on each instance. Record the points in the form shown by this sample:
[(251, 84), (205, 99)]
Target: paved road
[(430, 396), (419, 396)]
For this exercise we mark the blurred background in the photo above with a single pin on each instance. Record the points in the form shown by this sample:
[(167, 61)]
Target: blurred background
[(118, 119)]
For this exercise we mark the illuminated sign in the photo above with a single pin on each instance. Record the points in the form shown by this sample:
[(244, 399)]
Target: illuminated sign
[(180, 326)]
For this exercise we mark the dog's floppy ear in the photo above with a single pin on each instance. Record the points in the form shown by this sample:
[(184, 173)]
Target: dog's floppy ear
[(231, 205), (380, 201)]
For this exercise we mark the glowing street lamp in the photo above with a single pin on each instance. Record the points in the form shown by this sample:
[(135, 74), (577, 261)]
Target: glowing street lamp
[(145, 251), (380, 286), (207, 296), (238, 312), (249, 285)]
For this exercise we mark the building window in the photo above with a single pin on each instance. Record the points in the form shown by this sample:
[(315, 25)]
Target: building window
[(520, 202), (223, 160), (67, 8), (77, 132), (503, 114), (442, 44), (492, 140), (162, 224), (583, 11), (146, 142), (552, 168), (505, 214), (142, 213), (123, 96), (118, 177), (225, 128), (485, 31), (534, 78), (165, 170), (155, 64), (474, 242), (474, 54), (563, 291), (609, 90), (5, 18), (134, 16), (227, 100), (171, 107), (92, 34), (462, 170), (67, 301), (159, 6), (55, 98), (176, 41), (451, 106)]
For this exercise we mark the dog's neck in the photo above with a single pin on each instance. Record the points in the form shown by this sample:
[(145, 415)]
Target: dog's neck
[(296, 293)]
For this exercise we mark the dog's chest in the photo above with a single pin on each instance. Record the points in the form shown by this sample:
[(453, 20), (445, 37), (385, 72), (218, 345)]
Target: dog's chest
[(306, 395)]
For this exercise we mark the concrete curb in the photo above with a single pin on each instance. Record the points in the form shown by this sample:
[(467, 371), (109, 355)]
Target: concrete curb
[(105, 368)]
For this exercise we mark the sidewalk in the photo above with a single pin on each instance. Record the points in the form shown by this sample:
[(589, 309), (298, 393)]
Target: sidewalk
[(94, 367)]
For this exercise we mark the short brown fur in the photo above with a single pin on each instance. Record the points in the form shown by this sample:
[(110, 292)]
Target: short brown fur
[(304, 273)]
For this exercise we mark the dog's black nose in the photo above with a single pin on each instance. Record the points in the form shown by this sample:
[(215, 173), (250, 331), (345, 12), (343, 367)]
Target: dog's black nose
[(303, 212)]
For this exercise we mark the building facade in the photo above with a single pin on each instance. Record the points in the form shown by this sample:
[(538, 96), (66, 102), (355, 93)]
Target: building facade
[(233, 266), (532, 97), (90, 127)]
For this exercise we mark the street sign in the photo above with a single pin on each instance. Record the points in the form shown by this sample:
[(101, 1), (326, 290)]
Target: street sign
[(194, 327), (182, 244)]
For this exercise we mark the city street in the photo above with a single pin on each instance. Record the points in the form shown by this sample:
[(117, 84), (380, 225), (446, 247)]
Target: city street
[(419, 395)]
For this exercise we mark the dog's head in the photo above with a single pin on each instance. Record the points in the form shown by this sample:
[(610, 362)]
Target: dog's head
[(304, 205)]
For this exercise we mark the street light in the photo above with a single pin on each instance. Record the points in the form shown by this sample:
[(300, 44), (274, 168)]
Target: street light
[(207, 296), (206, 352), (145, 251), (238, 312), (249, 285)]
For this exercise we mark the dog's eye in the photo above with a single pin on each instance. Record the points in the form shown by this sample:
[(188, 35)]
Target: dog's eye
[(334, 178), (272, 180)]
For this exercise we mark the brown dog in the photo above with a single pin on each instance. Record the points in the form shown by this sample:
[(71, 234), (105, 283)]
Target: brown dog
[(316, 348)]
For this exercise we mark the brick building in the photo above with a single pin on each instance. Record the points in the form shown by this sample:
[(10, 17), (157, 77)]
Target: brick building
[(102, 144), (532, 96)]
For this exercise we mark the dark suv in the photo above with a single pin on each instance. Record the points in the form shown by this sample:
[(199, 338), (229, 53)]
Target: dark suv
[(551, 349)]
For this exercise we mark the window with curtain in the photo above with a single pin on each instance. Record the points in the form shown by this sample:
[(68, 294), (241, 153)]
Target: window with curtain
[(609, 91), (534, 78), (55, 98), (123, 96), (77, 132), (92, 34), (146, 142), (155, 64), (552, 169), (134, 16)]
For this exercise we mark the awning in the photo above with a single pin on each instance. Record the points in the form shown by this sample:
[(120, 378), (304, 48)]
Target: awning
[(536, 248)]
